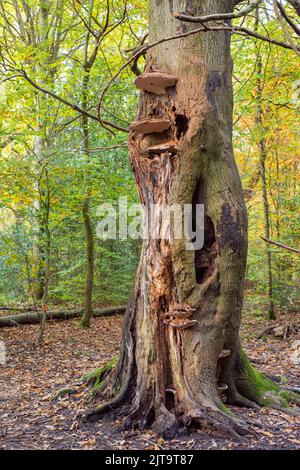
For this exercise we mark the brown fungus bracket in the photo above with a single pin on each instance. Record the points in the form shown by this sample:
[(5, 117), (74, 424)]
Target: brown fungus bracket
[(179, 317), (222, 387), (170, 147), (224, 353), (148, 126), (155, 82), (183, 324)]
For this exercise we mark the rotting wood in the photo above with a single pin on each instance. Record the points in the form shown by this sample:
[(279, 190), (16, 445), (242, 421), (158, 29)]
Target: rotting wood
[(33, 317)]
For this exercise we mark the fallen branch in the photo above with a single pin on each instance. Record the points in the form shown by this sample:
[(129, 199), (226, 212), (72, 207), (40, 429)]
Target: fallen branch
[(33, 317), (279, 329), (281, 245), (17, 309)]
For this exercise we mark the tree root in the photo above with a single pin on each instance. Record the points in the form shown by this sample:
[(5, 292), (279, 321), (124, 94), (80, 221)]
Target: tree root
[(98, 412), (229, 424), (64, 392), (96, 377), (166, 423), (248, 388)]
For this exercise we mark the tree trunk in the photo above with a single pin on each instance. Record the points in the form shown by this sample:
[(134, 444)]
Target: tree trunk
[(41, 145), (168, 376), (262, 168), (89, 280)]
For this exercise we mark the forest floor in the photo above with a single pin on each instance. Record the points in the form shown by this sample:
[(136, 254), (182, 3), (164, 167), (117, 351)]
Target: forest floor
[(30, 419)]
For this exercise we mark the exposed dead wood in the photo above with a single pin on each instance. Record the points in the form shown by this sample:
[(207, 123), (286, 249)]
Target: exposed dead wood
[(183, 324), (34, 317)]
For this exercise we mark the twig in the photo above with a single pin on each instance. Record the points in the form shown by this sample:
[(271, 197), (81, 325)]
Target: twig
[(74, 106), (103, 149), (281, 245)]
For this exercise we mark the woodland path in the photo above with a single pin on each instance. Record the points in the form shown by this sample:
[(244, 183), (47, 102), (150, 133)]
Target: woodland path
[(29, 419)]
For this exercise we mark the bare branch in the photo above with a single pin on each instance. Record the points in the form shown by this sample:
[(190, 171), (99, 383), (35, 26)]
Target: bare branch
[(296, 5), (286, 247), (218, 16), (204, 28), (248, 32), (287, 18), (284, 27), (74, 106)]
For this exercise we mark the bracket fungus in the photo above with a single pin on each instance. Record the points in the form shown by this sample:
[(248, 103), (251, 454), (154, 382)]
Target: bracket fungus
[(224, 353), (182, 324), (222, 387), (155, 82), (179, 317), (148, 126), (169, 147)]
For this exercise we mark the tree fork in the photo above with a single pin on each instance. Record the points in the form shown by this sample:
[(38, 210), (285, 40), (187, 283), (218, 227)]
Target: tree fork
[(167, 376)]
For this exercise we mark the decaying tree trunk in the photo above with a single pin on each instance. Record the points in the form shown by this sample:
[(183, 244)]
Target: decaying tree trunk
[(181, 354)]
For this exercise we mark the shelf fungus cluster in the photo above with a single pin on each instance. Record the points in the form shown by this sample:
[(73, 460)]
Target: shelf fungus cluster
[(221, 389), (180, 317), (149, 126), (156, 134)]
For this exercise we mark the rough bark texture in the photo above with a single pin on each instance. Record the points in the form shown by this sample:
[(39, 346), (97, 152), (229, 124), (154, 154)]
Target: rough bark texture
[(168, 374)]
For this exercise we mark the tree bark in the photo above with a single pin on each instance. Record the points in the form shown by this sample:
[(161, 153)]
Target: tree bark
[(89, 280), (167, 376), (262, 147), (41, 145)]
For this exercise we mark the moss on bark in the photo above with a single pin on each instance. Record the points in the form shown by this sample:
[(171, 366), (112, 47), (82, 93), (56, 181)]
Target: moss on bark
[(258, 388), (97, 376)]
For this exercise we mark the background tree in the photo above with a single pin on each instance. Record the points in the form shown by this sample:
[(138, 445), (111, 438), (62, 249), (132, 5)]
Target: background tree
[(84, 30)]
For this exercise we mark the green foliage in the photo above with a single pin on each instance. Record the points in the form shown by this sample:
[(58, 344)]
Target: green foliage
[(279, 129), (43, 167)]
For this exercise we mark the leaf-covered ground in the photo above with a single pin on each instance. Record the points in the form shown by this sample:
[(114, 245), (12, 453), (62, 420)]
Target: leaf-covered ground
[(30, 419)]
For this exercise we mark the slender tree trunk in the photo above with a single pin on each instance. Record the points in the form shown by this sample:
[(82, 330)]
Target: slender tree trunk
[(38, 248), (168, 376), (89, 280), (262, 167), (43, 243), (42, 201)]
